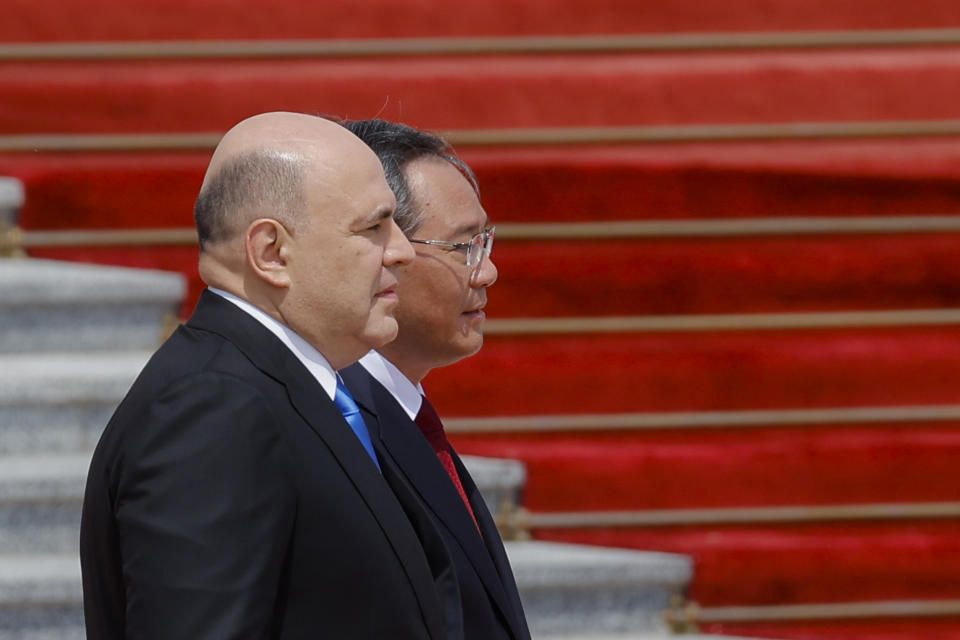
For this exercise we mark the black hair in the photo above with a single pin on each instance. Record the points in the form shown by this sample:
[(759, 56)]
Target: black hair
[(397, 145)]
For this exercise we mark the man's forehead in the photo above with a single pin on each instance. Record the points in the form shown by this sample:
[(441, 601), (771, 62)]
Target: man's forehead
[(456, 225), (479, 224)]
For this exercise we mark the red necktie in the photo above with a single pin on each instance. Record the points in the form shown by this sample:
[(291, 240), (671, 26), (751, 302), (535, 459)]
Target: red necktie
[(429, 423)]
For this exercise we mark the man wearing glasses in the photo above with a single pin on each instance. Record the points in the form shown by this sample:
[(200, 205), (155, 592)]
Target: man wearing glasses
[(440, 315)]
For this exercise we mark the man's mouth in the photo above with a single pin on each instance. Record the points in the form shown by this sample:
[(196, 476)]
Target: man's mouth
[(388, 292), (476, 311)]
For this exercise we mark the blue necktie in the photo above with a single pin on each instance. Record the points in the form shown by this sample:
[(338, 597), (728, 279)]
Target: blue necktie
[(351, 413)]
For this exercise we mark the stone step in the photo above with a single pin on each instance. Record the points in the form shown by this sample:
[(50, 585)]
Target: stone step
[(59, 402), (51, 478), (74, 632), (570, 590), (41, 497), (40, 502), (40, 596), (65, 306)]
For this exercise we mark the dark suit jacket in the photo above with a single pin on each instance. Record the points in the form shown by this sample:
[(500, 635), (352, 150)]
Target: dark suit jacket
[(491, 602), (228, 498)]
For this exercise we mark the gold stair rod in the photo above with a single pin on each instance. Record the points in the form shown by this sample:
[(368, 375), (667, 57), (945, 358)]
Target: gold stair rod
[(666, 134), (653, 134), (108, 238), (537, 231), (526, 521), (736, 227), (748, 418), (723, 322), (367, 47), (683, 616)]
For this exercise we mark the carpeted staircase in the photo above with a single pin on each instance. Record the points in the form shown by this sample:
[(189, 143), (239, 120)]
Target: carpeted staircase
[(726, 323)]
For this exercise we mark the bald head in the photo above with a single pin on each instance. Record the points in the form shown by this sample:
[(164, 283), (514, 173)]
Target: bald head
[(258, 170), (295, 216)]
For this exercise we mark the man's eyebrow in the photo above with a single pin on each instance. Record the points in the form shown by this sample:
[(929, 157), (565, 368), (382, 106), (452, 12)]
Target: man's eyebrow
[(380, 214), (471, 228)]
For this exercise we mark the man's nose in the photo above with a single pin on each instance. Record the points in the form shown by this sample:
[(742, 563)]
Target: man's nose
[(398, 250), (485, 273)]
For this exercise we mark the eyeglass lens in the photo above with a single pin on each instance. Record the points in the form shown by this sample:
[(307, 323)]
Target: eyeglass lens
[(480, 244)]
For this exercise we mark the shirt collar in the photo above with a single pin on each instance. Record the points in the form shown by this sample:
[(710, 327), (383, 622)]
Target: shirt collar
[(409, 395), (306, 353)]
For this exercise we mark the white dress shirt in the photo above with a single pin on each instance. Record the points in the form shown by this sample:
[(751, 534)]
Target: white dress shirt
[(409, 395), (312, 359)]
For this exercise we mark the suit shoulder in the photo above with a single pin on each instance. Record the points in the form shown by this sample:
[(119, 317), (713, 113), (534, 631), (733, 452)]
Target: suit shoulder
[(197, 372)]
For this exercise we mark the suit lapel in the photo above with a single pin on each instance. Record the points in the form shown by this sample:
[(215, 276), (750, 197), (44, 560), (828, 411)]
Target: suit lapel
[(407, 447), (273, 358)]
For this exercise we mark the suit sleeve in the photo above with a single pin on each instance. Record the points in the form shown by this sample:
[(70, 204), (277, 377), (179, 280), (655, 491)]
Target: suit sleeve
[(205, 506)]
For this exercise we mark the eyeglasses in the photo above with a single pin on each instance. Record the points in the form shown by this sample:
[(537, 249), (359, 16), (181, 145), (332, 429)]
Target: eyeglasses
[(478, 246)]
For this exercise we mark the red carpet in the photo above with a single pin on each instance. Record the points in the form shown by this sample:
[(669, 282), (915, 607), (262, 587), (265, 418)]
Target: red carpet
[(26, 20), (706, 468), (603, 278), (803, 564), (734, 275), (702, 371), (450, 92), (609, 277), (552, 184)]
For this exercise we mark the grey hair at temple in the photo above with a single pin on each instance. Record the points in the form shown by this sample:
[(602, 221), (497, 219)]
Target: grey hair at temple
[(255, 184)]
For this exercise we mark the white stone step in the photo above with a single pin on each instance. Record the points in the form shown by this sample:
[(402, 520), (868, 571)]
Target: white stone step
[(61, 378), (577, 590), (41, 496), (567, 589), (40, 597), (40, 502), (43, 477), (48, 305), (47, 633), (40, 578), (59, 402), (570, 592)]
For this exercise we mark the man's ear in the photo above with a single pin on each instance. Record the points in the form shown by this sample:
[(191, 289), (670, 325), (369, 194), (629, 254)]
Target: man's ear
[(268, 246)]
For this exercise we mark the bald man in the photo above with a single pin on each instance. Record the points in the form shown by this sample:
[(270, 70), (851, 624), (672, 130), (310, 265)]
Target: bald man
[(234, 494)]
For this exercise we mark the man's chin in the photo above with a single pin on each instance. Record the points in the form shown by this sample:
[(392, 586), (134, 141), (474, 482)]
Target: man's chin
[(382, 332), (469, 341)]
